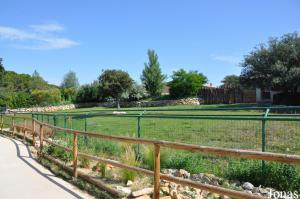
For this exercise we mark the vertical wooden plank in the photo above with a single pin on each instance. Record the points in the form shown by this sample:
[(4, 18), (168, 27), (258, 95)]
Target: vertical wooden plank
[(75, 154), (41, 139), (156, 171), (33, 132)]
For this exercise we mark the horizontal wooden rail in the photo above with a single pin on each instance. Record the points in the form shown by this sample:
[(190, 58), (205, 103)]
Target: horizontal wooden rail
[(284, 158), (170, 178)]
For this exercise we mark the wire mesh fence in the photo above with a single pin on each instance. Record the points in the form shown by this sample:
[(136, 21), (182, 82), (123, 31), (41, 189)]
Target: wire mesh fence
[(257, 129)]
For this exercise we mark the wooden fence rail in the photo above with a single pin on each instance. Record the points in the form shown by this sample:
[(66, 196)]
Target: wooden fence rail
[(157, 144)]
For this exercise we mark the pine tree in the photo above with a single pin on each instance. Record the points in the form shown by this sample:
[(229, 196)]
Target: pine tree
[(152, 77)]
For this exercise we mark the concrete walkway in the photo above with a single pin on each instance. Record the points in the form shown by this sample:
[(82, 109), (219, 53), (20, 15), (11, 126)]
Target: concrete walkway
[(22, 177)]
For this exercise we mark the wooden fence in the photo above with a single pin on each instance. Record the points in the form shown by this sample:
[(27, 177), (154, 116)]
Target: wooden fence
[(36, 129), (226, 95)]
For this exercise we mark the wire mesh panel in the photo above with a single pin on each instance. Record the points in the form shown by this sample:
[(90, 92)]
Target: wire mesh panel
[(243, 134), (283, 136)]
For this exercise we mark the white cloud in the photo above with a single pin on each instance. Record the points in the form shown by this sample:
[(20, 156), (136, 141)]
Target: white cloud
[(39, 37), (228, 58), (50, 27)]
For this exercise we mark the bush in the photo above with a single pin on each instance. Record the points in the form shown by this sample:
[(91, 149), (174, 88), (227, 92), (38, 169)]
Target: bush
[(68, 94), (137, 92), (59, 153), (186, 84), (283, 177), (15, 99), (46, 97), (88, 93), (148, 157)]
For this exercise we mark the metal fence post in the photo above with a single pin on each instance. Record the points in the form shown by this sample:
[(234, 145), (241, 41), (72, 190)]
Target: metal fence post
[(263, 139), (65, 120), (54, 120)]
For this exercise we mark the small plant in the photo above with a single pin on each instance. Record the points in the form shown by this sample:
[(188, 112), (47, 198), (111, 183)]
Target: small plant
[(103, 170), (148, 157), (100, 167), (129, 158), (59, 153), (85, 163)]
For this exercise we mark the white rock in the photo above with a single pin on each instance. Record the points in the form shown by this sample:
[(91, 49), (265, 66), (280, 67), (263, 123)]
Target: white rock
[(248, 186), (124, 190), (141, 192), (129, 183)]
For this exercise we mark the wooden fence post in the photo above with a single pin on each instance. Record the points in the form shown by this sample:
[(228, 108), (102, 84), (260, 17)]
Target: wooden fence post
[(33, 132), (24, 129), (2, 123), (75, 154), (156, 171), (13, 125), (41, 139)]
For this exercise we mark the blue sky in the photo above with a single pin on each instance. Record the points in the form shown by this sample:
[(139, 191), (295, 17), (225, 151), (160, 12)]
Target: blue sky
[(210, 36)]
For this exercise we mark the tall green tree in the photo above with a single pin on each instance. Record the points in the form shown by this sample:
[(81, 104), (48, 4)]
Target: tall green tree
[(152, 77), (231, 81), (70, 80), (114, 83), (37, 81), (186, 84), (275, 65)]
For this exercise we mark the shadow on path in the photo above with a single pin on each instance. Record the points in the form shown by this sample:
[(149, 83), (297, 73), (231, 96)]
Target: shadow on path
[(36, 169)]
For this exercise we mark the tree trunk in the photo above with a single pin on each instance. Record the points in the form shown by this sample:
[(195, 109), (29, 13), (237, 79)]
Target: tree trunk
[(118, 103)]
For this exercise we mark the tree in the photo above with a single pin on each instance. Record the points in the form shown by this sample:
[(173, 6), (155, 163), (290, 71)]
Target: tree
[(88, 93), (231, 81), (113, 83), (152, 77), (69, 86), (46, 97), (275, 65), (37, 82), (70, 80), (137, 92), (185, 84), (2, 71)]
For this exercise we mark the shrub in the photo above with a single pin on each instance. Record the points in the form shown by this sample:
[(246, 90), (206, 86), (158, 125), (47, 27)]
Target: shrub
[(88, 93), (16, 99), (185, 84), (148, 157), (68, 94), (279, 176), (137, 92), (129, 158), (46, 97), (59, 153)]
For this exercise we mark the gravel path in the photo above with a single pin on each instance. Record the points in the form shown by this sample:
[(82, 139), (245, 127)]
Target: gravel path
[(23, 177)]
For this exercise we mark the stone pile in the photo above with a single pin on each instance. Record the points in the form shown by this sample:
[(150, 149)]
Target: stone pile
[(170, 190), (185, 101)]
